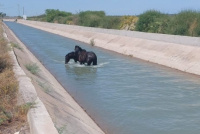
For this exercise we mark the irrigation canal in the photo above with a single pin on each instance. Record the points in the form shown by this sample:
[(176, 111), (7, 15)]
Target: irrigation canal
[(122, 94)]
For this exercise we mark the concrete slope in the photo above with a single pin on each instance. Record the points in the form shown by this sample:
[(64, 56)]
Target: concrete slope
[(178, 52)]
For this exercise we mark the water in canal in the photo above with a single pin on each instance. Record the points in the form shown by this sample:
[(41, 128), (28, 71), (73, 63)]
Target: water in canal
[(122, 94)]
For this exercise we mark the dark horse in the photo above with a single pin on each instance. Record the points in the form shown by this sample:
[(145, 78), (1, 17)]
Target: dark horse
[(69, 56), (84, 56)]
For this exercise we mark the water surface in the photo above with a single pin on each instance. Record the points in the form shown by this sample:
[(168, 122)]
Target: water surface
[(122, 94)]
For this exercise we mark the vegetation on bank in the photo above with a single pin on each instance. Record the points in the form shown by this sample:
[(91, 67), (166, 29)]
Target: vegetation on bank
[(87, 18), (184, 23), (10, 112)]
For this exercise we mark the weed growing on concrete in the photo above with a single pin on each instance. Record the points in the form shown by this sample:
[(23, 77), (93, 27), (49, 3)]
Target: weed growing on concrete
[(60, 129), (33, 68), (92, 43), (16, 46), (45, 87)]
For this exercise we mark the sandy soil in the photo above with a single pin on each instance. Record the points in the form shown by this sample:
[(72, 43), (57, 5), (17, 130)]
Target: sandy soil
[(66, 114)]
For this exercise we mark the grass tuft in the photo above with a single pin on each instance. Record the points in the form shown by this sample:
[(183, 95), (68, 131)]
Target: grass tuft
[(45, 88), (61, 130), (22, 110), (33, 68), (16, 46)]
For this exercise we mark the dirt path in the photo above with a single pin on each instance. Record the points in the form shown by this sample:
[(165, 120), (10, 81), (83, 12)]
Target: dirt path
[(66, 114)]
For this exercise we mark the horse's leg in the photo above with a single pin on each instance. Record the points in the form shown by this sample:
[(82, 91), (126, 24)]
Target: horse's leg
[(89, 61), (95, 61)]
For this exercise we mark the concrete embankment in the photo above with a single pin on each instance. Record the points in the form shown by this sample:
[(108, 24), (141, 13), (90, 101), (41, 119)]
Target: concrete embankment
[(178, 52)]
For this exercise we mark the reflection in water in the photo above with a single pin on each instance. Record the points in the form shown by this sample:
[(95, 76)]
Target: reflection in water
[(79, 70)]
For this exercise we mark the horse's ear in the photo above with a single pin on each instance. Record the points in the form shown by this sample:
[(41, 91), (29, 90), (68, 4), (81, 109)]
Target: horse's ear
[(80, 48)]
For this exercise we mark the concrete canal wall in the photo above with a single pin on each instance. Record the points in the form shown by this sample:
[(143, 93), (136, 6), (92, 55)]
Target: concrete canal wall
[(178, 52)]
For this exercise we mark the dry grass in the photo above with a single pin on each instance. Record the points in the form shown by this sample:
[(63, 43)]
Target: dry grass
[(3, 43), (10, 114), (8, 95), (5, 62)]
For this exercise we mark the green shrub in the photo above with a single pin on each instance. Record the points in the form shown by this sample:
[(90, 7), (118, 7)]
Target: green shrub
[(111, 22), (183, 23), (197, 30), (152, 21), (186, 23), (91, 18), (51, 14)]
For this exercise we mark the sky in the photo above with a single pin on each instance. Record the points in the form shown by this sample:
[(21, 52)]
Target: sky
[(111, 7)]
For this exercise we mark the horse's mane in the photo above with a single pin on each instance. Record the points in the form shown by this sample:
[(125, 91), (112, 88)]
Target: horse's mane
[(77, 47)]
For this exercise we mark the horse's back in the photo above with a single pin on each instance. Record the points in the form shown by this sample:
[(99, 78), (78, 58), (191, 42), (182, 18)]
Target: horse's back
[(91, 54), (82, 56)]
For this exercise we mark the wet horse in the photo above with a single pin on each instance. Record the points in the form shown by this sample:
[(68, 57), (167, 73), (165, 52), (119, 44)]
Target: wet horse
[(84, 56), (69, 56)]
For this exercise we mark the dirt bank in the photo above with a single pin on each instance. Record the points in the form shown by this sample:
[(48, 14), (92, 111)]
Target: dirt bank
[(67, 115), (178, 52)]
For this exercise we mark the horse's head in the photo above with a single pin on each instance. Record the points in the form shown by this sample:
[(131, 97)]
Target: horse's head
[(69, 56), (67, 59)]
